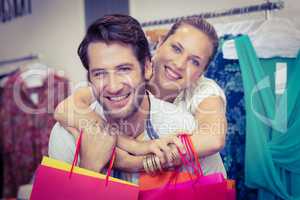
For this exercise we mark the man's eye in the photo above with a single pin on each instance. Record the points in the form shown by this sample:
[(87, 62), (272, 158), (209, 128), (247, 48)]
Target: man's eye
[(124, 69), (176, 49), (99, 74)]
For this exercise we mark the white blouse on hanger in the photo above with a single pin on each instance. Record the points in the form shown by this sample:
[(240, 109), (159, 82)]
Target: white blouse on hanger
[(276, 37)]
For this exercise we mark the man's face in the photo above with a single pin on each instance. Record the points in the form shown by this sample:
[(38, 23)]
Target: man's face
[(182, 58), (117, 78)]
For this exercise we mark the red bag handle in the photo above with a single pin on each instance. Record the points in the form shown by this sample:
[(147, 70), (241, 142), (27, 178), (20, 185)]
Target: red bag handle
[(192, 154), (196, 157), (187, 160), (75, 160), (111, 163)]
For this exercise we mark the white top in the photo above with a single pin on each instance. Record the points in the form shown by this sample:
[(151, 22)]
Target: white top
[(166, 118), (190, 99)]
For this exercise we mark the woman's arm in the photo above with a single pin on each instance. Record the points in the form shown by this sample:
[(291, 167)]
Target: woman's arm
[(209, 137), (74, 113), (75, 110)]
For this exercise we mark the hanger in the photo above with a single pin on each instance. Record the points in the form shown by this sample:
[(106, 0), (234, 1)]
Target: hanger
[(283, 42), (34, 72)]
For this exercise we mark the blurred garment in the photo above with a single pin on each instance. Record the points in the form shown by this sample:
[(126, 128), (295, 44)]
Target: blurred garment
[(27, 118)]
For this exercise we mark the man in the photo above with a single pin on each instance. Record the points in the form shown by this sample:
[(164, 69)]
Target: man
[(115, 52)]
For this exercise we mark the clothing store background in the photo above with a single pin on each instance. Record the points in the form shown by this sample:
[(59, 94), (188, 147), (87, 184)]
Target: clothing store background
[(55, 22), (55, 28)]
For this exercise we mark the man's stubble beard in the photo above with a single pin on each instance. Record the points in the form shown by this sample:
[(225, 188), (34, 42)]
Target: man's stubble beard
[(139, 94)]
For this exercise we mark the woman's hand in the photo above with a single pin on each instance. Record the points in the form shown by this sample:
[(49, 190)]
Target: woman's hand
[(166, 149)]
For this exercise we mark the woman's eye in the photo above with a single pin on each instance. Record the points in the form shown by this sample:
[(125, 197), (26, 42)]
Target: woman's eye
[(195, 62), (176, 49)]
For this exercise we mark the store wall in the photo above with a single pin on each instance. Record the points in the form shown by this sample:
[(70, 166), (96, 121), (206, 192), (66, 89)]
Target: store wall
[(53, 30), (95, 9), (145, 10)]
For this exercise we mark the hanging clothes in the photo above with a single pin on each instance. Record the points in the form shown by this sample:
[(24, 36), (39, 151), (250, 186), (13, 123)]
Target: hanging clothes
[(227, 74), (26, 126), (272, 124), (284, 40), (3, 78)]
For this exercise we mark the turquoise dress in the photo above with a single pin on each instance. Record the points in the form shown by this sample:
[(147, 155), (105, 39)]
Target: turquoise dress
[(272, 157)]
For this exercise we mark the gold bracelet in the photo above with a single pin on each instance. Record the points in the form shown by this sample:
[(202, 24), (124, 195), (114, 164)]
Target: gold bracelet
[(157, 161), (153, 164), (145, 165), (150, 166)]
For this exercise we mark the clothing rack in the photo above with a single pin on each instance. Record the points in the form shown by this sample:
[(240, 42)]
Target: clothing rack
[(268, 6), (15, 60)]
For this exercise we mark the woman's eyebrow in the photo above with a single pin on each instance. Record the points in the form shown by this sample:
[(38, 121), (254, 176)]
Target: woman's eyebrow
[(180, 45), (197, 57)]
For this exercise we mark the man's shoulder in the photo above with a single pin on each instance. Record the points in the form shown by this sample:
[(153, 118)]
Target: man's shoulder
[(61, 144), (60, 131)]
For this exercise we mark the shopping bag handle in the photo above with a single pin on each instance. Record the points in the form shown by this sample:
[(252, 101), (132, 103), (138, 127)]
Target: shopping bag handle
[(77, 149), (188, 160), (111, 163), (75, 160), (191, 153), (196, 157)]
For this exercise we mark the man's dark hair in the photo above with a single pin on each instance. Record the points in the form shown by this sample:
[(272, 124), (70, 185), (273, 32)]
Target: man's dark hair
[(116, 28), (203, 26)]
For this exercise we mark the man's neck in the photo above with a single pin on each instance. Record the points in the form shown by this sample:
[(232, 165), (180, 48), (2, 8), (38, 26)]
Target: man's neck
[(135, 124)]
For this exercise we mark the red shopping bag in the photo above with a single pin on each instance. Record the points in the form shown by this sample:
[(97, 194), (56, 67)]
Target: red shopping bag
[(148, 182), (177, 185), (57, 180)]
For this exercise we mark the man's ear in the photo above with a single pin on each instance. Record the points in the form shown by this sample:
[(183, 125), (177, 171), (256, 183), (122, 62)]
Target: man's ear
[(148, 70)]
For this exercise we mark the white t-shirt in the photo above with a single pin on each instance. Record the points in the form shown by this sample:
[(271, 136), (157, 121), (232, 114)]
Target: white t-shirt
[(166, 119)]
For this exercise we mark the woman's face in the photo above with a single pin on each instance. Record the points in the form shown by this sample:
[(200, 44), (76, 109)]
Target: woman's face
[(181, 59)]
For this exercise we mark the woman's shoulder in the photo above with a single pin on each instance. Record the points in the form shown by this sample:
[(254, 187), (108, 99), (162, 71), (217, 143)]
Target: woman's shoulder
[(207, 85), (202, 89)]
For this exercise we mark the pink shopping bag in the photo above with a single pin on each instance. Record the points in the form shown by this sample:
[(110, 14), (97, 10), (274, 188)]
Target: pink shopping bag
[(54, 184), (56, 180), (183, 185)]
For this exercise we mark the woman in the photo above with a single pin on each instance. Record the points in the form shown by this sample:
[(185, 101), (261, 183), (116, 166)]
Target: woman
[(179, 63)]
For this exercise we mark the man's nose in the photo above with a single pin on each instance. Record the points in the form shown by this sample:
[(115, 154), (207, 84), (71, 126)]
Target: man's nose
[(114, 84)]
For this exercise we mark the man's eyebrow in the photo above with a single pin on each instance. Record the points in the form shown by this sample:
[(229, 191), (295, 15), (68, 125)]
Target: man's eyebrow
[(97, 70), (116, 67), (124, 64)]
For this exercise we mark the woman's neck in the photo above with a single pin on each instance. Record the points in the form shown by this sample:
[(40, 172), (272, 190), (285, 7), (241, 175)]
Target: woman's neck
[(161, 93)]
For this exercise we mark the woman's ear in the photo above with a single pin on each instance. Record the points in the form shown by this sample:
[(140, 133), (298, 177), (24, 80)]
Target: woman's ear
[(148, 70)]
